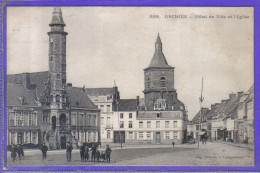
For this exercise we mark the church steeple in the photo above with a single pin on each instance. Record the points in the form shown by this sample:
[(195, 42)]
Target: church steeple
[(158, 60)]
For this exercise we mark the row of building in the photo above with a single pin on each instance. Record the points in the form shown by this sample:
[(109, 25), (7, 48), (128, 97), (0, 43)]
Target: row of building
[(43, 107), (230, 120)]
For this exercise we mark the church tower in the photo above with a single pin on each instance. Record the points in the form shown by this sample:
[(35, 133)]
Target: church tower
[(159, 91), (57, 60)]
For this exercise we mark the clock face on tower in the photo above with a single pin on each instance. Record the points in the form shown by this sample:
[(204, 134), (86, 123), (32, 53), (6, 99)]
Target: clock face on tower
[(51, 40)]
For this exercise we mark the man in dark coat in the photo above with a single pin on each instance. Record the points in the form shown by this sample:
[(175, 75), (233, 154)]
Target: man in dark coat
[(93, 154), (68, 151), (44, 150), (86, 154), (108, 152), (97, 155), (82, 151), (13, 152), (19, 151)]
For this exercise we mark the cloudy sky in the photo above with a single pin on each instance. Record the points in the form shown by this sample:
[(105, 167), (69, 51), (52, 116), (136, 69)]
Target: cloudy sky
[(116, 43)]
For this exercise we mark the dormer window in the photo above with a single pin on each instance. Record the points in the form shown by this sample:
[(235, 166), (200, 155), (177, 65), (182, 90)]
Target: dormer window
[(160, 104), (163, 82)]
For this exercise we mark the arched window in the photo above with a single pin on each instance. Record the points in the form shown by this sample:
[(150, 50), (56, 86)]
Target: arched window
[(57, 98), (163, 82)]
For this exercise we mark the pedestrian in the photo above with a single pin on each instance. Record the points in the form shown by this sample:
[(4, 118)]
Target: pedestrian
[(103, 156), (86, 154), (19, 151), (93, 153), (108, 152), (173, 143), (82, 151), (68, 151), (13, 152), (97, 155), (22, 152), (44, 150)]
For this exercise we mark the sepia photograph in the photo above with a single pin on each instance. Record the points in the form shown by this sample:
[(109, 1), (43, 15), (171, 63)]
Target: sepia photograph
[(130, 86)]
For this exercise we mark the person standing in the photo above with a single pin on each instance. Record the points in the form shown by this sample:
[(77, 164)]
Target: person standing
[(97, 155), (44, 150), (82, 151), (108, 152), (13, 152), (93, 153), (19, 151), (86, 154), (68, 151)]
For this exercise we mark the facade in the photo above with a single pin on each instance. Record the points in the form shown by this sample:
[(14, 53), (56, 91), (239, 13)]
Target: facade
[(105, 99), (42, 107)]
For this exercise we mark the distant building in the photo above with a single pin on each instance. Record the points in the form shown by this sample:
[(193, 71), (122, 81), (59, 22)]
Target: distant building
[(41, 107), (106, 100)]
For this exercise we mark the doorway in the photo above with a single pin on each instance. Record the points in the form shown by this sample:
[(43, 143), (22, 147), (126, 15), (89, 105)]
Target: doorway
[(53, 121), (119, 136), (19, 138), (63, 142), (158, 137)]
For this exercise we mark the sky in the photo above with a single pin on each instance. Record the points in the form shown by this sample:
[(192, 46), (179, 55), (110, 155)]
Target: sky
[(116, 43)]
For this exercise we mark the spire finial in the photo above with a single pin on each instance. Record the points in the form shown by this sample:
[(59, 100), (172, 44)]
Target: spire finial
[(57, 17), (158, 40)]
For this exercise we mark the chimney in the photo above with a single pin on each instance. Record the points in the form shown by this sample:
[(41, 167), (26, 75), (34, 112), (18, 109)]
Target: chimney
[(26, 80), (239, 94), (232, 96), (69, 84)]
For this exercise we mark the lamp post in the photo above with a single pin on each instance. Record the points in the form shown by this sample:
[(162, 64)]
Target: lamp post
[(200, 100)]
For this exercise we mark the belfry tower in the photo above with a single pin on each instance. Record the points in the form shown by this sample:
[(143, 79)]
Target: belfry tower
[(159, 91), (57, 78)]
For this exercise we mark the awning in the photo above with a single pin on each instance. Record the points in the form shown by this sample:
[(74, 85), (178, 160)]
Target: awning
[(202, 133)]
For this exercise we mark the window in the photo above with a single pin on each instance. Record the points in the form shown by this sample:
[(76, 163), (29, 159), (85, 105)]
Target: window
[(167, 124), (73, 119), (102, 108), (163, 82), (141, 135), (121, 115), (130, 125), (94, 120), (175, 135), (148, 82), (108, 134), (130, 135), (130, 116), (34, 138), (121, 124), (157, 124), (141, 124), (51, 58), (148, 124), (108, 108), (197, 127), (158, 115), (108, 120), (57, 98), (160, 104), (102, 120), (148, 135), (174, 124), (167, 135), (51, 98)]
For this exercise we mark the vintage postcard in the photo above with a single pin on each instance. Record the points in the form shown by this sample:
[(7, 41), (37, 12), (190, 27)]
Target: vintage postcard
[(129, 86)]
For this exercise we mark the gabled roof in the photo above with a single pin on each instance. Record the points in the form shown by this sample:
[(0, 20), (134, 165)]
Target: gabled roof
[(99, 91), (158, 60), (78, 98), (127, 105), (203, 113), (18, 95)]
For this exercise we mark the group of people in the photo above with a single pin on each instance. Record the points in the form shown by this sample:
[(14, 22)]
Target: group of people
[(17, 150), (85, 153)]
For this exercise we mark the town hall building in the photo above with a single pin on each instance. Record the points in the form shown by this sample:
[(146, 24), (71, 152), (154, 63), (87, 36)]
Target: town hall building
[(42, 107)]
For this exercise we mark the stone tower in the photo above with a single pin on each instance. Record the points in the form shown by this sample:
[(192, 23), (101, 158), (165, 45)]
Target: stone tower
[(57, 77), (159, 91), (57, 59)]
